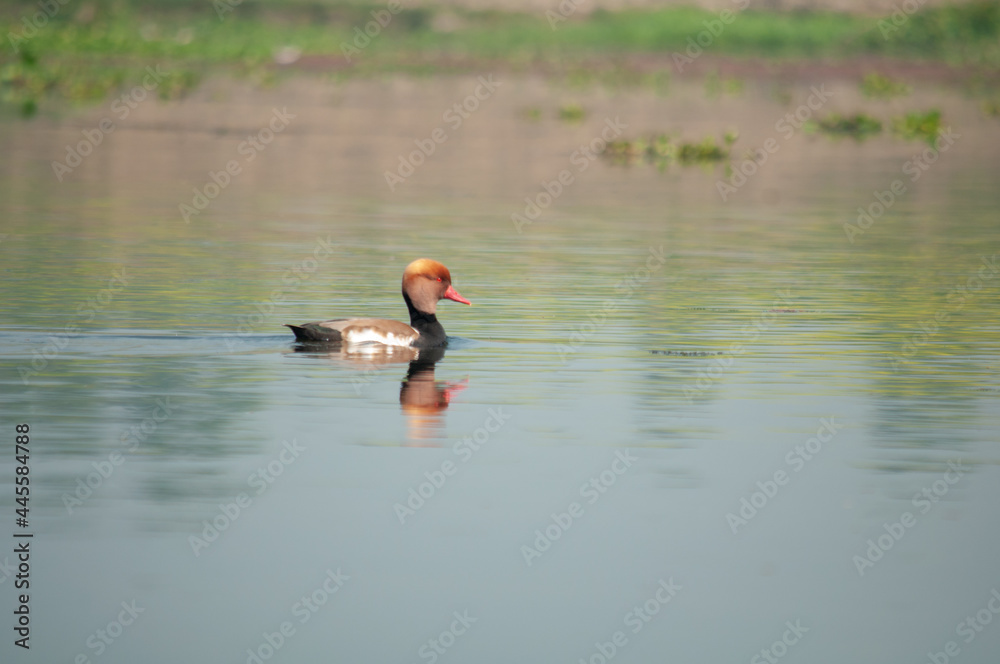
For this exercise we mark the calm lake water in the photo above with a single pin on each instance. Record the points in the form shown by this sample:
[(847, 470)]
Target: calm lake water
[(671, 428)]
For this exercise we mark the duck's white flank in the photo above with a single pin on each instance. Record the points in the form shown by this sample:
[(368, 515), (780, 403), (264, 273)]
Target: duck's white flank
[(369, 335)]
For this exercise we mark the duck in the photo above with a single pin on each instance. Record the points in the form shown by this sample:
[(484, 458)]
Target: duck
[(425, 283)]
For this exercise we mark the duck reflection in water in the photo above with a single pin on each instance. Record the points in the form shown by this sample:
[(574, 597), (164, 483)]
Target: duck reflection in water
[(422, 399)]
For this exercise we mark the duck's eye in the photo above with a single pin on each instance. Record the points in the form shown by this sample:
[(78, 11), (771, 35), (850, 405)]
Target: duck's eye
[(439, 278)]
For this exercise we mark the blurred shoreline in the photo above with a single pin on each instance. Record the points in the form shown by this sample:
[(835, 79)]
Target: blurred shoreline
[(82, 54)]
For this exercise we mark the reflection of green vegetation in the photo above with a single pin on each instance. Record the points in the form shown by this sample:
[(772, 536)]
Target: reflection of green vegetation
[(615, 76), (782, 95), (86, 52), (877, 86), (992, 108), (572, 113), (858, 126), (716, 86), (532, 113), (918, 126), (663, 150)]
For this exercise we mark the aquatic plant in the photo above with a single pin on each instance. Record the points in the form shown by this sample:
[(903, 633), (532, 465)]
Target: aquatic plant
[(918, 126), (29, 81), (664, 149), (858, 126), (572, 113)]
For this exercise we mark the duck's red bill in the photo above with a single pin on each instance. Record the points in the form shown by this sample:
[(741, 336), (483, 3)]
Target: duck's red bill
[(452, 294)]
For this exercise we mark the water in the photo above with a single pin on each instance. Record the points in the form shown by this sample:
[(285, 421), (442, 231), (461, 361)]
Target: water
[(564, 482)]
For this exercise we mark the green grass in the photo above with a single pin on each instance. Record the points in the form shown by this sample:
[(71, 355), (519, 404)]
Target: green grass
[(252, 31), (87, 51)]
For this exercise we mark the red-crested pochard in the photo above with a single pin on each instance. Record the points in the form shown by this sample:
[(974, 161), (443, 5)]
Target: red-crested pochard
[(424, 283)]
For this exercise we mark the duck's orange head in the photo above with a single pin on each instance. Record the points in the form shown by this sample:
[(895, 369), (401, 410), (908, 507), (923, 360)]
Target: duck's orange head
[(426, 281)]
